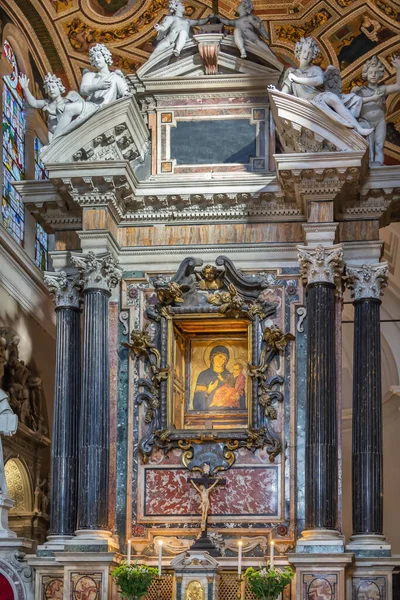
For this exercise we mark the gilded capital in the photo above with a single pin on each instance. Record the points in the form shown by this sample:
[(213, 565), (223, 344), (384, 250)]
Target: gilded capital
[(367, 281), (321, 264), (99, 272), (65, 289)]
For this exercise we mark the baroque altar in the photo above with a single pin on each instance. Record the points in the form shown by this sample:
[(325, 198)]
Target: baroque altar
[(208, 217)]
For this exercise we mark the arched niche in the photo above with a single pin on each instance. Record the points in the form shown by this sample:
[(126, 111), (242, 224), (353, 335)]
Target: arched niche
[(19, 485)]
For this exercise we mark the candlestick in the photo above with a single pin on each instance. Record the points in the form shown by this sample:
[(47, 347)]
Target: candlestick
[(272, 554), (128, 557), (240, 544), (160, 543)]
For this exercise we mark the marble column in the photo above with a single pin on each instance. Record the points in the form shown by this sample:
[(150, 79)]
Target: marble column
[(321, 268), (366, 284), (99, 274), (65, 290)]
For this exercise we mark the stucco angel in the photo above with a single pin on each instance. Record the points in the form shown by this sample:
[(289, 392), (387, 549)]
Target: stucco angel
[(374, 106), (65, 113), (307, 80), (61, 110), (248, 28), (175, 29)]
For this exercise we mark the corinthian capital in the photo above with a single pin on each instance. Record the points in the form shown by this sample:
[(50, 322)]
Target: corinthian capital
[(64, 288), (367, 281), (99, 272), (320, 264)]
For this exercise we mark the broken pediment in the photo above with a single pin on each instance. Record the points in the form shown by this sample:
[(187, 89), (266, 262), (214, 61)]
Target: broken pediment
[(207, 48)]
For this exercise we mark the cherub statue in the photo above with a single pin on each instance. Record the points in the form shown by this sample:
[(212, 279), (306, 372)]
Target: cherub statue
[(105, 86), (61, 110), (65, 113), (248, 28), (174, 30), (305, 82), (374, 107), (209, 278)]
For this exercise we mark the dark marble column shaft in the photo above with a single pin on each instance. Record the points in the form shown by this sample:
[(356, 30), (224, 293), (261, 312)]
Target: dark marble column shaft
[(367, 419), (99, 275), (64, 479), (321, 433), (95, 414), (65, 290)]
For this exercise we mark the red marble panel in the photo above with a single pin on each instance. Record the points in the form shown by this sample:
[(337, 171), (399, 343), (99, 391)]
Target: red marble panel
[(249, 491)]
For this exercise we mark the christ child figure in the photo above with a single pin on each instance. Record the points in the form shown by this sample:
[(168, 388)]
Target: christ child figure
[(248, 28), (374, 106), (231, 394), (175, 29)]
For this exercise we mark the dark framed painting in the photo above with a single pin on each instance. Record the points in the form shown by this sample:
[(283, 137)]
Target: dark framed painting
[(211, 388)]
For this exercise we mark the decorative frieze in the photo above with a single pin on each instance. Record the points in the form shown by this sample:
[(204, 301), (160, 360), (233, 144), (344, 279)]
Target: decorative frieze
[(65, 289), (367, 281), (97, 272), (321, 264)]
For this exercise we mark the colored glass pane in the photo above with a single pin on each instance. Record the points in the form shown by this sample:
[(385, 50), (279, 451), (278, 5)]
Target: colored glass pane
[(40, 171), (41, 246), (12, 208)]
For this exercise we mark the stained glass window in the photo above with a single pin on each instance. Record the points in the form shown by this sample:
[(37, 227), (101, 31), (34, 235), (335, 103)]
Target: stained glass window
[(12, 209), (41, 246), (40, 171)]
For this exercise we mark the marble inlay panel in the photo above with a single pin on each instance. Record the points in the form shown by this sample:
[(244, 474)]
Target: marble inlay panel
[(86, 586), (249, 491), (369, 588), (320, 586), (52, 588)]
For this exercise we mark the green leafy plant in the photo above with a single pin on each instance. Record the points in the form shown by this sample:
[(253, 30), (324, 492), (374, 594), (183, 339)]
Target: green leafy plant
[(134, 580), (268, 583)]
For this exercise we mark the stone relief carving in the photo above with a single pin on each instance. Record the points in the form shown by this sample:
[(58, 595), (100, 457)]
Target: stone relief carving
[(66, 113), (248, 28), (24, 387), (321, 264), (305, 82), (175, 29), (41, 496), (367, 281), (373, 109)]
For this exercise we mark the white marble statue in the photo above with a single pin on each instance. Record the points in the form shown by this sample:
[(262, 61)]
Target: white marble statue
[(8, 426), (104, 86), (61, 110), (65, 113), (175, 29), (306, 81), (248, 28), (373, 112)]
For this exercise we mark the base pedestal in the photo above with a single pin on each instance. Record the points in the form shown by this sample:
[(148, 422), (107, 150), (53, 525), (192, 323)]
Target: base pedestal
[(371, 578), (6, 505), (369, 545), (15, 568), (204, 544), (320, 575), (316, 541)]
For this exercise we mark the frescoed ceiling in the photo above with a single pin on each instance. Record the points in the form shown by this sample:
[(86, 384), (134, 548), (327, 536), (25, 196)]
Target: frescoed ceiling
[(349, 32)]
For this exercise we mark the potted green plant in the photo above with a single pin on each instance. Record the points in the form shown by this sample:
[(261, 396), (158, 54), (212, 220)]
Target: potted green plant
[(134, 580), (268, 583)]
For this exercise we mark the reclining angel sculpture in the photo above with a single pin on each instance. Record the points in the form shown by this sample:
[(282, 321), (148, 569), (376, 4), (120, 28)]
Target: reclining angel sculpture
[(65, 113), (373, 112), (307, 80), (175, 29), (248, 28)]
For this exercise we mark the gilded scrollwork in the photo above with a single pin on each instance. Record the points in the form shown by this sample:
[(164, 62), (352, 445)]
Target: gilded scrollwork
[(233, 304)]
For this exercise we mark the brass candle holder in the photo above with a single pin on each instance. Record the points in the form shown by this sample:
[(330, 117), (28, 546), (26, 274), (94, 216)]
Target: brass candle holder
[(241, 588)]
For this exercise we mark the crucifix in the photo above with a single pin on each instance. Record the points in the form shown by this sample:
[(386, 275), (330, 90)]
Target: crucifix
[(204, 486)]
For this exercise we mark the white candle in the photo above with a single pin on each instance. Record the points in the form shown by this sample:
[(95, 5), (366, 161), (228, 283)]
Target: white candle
[(240, 544), (160, 543), (272, 554), (128, 557)]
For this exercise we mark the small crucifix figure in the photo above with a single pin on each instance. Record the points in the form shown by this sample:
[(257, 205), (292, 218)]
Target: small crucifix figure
[(204, 486)]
